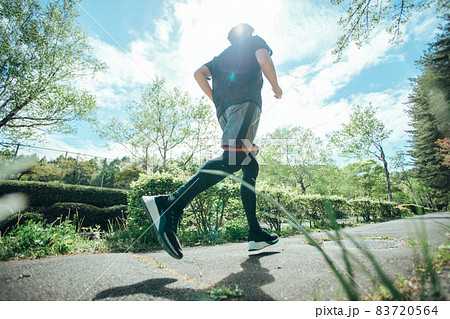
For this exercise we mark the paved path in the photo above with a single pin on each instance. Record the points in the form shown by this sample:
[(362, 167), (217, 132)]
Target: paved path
[(290, 270)]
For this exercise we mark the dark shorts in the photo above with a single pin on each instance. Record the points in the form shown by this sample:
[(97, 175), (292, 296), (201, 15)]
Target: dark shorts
[(239, 124)]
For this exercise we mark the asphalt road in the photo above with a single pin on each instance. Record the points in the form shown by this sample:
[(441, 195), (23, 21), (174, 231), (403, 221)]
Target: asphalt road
[(290, 270)]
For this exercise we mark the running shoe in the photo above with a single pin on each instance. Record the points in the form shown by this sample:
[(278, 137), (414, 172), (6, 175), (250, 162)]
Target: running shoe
[(164, 222), (260, 240)]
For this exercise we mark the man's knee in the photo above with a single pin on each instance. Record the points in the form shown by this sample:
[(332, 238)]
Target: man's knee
[(250, 169)]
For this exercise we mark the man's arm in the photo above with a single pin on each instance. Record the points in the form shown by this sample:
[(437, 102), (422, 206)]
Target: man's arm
[(268, 69), (201, 76)]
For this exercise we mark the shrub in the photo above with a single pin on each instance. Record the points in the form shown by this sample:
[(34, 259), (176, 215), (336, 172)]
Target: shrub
[(402, 211), (156, 184), (85, 215), (361, 208), (235, 229), (46, 194), (16, 220), (217, 214), (209, 210), (267, 211), (416, 209)]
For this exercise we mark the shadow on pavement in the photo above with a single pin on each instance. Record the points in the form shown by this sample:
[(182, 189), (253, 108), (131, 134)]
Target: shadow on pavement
[(250, 280), (153, 287), (252, 277)]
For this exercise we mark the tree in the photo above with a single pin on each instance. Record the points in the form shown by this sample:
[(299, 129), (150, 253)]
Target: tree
[(429, 110), (42, 171), (363, 136), (164, 120), (290, 153), (365, 179), (363, 15), (79, 172), (129, 173), (42, 52), (331, 180), (399, 162), (444, 148)]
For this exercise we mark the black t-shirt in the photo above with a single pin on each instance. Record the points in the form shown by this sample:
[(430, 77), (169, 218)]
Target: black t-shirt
[(236, 75)]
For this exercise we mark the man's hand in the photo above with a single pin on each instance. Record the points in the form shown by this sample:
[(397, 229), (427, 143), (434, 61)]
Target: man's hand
[(278, 93)]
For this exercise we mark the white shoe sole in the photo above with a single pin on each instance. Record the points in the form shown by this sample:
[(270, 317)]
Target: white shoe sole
[(159, 222), (152, 211), (258, 245)]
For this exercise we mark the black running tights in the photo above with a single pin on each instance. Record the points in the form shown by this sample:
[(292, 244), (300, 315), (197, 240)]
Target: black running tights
[(228, 163)]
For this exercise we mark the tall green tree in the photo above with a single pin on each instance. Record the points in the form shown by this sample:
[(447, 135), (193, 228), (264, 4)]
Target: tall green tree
[(366, 179), (42, 52), (362, 16), (164, 120), (330, 180), (363, 137), (429, 110), (289, 154)]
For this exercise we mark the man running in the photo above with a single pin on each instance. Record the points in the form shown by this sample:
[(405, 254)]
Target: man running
[(236, 93)]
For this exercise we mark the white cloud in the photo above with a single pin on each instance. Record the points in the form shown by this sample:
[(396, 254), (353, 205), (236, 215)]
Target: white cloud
[(308, 101)]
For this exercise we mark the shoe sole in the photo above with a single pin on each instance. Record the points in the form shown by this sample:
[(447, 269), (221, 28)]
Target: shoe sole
[(159, 223), (258, 245)]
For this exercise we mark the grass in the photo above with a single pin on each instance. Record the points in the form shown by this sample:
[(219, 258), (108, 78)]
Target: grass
[(37, 240), (225, 293), (422, 285)]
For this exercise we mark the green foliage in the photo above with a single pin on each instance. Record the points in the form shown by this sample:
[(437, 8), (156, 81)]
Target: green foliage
[(363, 16), (290, 153), (42, 52), (363, 136), (16, 220), (36, 240), (210, 218), (156, 184), (235, 229), (82, 215), (47, 194), (209, 210), (429, 110), (225, 293), (217, 215), (373, 210)]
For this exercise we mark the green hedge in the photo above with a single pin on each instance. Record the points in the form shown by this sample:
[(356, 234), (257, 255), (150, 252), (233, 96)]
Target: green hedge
[(46, 194), (82, 215), (213, 215), (85, 215)]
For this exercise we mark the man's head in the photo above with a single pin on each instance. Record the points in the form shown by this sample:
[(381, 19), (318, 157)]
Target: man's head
[(240, 31)]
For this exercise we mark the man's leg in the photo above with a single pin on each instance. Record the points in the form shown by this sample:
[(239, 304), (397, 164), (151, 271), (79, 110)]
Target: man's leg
[(229, 162), (248, 196), (257, 238), (165, 211)]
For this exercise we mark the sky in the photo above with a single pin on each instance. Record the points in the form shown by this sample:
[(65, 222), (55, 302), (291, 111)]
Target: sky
[(140, 40)]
